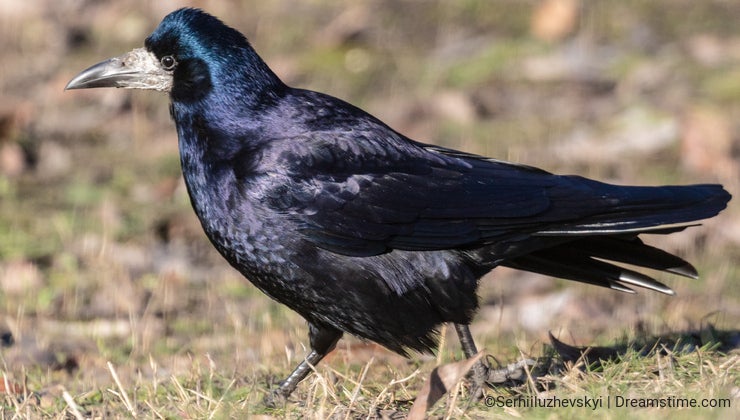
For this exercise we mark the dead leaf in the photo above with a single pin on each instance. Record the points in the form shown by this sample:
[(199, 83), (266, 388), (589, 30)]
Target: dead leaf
[(12, 159), (9, 387), (552, 20), (441, 381)]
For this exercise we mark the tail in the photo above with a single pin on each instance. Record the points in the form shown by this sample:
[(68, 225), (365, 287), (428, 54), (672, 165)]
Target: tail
[(612, 237), (624, 209), (589, 260)]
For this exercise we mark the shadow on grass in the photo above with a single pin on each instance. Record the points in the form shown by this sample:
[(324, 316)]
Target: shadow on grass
[(560, 357)]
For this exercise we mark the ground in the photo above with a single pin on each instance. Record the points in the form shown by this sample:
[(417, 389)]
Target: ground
[(115, 304)]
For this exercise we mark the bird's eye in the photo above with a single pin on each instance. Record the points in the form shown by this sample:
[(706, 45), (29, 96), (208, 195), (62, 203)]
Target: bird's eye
[(168, 62)]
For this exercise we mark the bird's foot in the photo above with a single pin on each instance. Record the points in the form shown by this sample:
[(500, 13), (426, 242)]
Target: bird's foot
[(483, 375), (275, 398), (513, 373), (478, 376)]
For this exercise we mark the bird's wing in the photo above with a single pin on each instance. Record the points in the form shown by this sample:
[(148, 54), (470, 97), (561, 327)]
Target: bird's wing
[(364, 195)]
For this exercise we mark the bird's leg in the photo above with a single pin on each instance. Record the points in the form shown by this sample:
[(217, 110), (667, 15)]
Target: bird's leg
[(323, 339), (466, 340), (480, 370)]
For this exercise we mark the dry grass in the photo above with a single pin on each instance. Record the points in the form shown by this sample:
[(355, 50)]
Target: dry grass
[(357, 392), (118, 306)]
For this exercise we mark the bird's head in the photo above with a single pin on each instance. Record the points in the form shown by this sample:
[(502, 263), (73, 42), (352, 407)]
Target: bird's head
[(188, 53)]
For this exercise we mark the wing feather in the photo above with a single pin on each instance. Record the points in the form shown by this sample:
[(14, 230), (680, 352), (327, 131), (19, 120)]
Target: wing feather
[(367, 195)]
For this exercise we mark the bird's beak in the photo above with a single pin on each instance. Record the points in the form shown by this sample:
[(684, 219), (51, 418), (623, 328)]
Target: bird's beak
[(138, 69)]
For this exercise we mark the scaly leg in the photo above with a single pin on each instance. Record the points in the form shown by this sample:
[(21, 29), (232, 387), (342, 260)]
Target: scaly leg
[(323, 339), (480, 371)]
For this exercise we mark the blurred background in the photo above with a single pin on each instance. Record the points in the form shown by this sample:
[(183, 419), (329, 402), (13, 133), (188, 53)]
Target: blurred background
[(101, 257)]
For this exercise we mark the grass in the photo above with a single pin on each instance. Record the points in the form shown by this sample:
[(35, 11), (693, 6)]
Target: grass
[(119, 307), (371, 389)]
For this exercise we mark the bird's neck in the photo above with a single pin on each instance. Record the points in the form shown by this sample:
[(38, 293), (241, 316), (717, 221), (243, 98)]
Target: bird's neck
[(248, 86)]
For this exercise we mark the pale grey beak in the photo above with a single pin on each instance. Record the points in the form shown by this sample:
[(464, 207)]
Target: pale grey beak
[(138, 69)]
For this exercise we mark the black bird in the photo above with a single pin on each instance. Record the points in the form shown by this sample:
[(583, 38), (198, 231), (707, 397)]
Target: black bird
[(362, 230)]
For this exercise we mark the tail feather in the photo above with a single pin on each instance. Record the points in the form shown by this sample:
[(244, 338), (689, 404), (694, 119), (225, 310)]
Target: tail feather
[(623, 209), (583, 261), (631, 250)]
